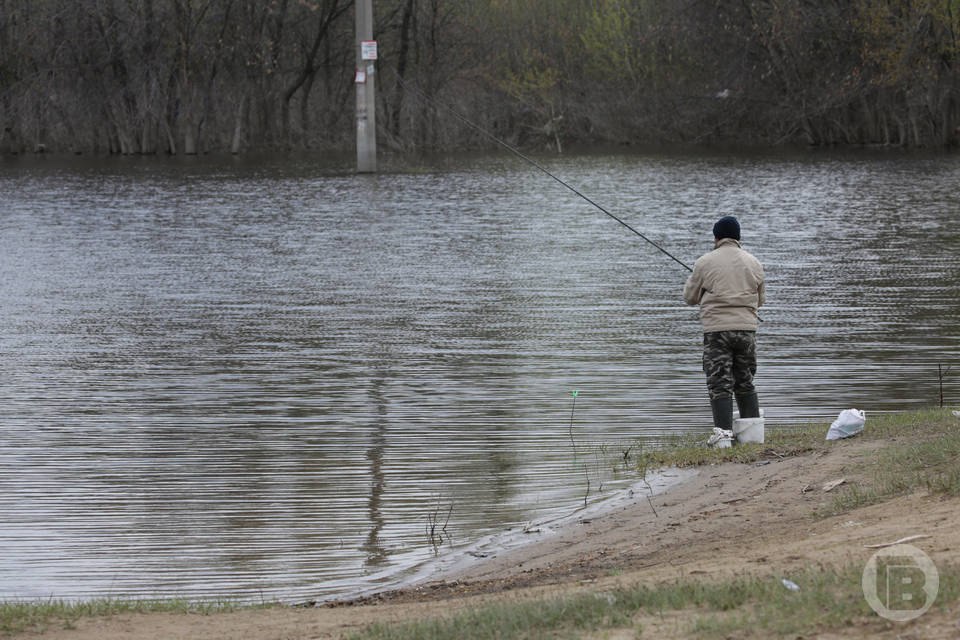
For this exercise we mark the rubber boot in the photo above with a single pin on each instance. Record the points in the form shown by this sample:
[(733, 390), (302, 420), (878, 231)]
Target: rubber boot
[(749, 405), (722, 413)]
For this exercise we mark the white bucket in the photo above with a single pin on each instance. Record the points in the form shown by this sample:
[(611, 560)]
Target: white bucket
[(748, 430), (736, 413)]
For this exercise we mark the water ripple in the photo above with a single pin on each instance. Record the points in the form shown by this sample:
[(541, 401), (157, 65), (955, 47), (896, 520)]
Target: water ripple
[(225, 381)]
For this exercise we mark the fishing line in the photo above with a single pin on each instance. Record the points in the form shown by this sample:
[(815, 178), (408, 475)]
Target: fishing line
[(437, 104)]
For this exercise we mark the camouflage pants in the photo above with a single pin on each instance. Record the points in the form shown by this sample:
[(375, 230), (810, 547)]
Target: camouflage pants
[(730, 362)]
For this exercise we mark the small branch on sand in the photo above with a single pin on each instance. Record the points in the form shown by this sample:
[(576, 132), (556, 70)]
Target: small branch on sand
[(649, 500), (652, 508), (884, 545)]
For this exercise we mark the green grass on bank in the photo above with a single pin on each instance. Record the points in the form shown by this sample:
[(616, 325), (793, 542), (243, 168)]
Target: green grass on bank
[(37, 615), (746, 606), (790, 440), (923, 454)]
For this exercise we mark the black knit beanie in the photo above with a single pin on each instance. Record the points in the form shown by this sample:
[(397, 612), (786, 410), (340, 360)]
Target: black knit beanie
[(726, 227)]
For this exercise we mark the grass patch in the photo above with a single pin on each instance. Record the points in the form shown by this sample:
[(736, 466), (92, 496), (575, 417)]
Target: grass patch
[(924, 455), (791, 440), (828, 598), (23, 616), (691, 450)]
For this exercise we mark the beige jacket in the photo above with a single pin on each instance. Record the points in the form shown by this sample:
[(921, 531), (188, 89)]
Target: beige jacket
[(727, 283)]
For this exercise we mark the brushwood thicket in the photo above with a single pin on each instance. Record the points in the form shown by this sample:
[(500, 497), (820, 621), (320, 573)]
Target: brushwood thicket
[(196, 76)]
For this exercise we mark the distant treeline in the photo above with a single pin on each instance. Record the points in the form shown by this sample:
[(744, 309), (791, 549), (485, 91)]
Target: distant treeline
[(195, 76)]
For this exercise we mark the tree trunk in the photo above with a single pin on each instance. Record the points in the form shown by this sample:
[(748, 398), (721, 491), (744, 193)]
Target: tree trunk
[(393, 122), (308, 69), (237, 140), (8, 144), (171, 139), (190, 140), (305, 120), (148, 138)]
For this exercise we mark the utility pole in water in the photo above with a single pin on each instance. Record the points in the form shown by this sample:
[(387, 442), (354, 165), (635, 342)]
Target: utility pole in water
[(364, 81)]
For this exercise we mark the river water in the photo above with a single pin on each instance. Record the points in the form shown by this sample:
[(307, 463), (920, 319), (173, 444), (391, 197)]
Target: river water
[(270, 379)]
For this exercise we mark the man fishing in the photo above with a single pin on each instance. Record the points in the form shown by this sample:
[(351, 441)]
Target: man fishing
[(727, 283)]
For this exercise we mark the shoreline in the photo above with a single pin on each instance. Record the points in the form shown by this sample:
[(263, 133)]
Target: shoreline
[(448, 566), (770, 519), (766, 518), (514, 541)]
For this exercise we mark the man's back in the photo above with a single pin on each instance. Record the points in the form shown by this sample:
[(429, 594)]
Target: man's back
[(728, 284)]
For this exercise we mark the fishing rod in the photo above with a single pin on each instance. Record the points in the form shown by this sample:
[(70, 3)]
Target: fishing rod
[(531, 161)]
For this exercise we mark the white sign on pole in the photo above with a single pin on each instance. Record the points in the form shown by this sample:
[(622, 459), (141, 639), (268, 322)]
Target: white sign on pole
[(368, 50), (360, 77)]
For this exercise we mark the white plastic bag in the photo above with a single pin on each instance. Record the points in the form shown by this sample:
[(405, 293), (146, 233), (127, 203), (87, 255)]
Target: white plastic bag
[(849, 423)]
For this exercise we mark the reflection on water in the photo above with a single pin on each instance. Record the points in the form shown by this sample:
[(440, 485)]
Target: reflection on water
[(376, 554), (224, 380)]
